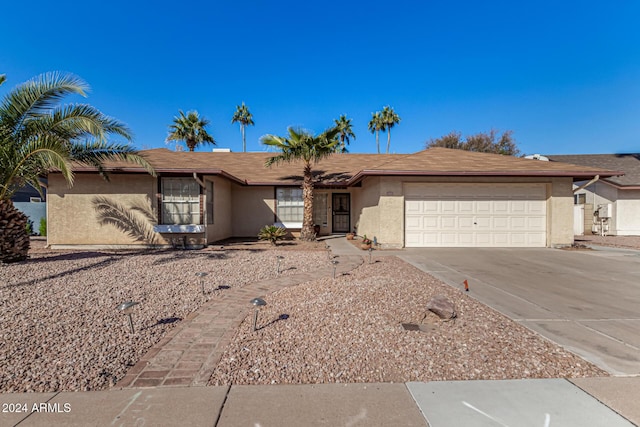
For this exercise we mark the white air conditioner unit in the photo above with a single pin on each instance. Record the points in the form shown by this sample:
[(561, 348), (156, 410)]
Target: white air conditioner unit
[(605, 211)]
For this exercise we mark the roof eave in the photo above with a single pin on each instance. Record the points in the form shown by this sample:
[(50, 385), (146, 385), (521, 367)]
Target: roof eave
[(582, 175), (188, 171)]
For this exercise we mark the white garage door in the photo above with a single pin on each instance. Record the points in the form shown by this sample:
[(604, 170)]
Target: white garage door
[(475, 215)]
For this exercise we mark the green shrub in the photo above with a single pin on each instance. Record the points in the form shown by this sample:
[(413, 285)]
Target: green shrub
[(272, 233), (43, 227)]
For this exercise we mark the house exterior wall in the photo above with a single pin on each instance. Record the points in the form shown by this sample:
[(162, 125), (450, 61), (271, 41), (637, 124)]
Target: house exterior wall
[(559, 211), (365, 210), (625, 219), (252, 209), (72, 218), (627, 211), (222, 212), (379, 206)]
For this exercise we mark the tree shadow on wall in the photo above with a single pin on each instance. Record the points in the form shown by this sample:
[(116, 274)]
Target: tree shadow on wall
[(136, 220)]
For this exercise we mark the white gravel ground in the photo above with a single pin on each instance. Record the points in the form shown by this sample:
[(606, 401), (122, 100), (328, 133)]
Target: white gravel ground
[(349, 330), (59, 327)]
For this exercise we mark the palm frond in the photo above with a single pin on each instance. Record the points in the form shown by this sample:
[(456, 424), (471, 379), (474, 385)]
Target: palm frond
[(111, 212), (39, 95), (96, 153)]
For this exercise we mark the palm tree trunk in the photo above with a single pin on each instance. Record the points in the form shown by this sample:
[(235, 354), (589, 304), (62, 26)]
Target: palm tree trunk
[(388, 139), (307, 233), (378, 140), (244, 141), (14, 241)]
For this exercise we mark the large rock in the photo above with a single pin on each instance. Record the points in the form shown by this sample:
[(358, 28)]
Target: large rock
[(442, 306)]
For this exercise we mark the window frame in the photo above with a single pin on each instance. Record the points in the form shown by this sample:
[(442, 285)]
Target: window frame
[(194, 200), (289, 221)]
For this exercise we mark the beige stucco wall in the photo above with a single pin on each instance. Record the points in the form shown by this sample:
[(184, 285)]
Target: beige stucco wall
[(222, 210), (252, 208), (379, 206), (71, 217), (560, 212), (365, 207)]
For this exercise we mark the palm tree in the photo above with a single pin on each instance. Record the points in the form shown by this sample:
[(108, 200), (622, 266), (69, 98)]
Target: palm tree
[(390, 119), (376, 124), (345, 132), (245, 118), (303, 145), (190, 129), (38, 135)]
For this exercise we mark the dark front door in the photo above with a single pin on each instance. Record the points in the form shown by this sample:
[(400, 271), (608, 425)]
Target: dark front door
[(341, 205)]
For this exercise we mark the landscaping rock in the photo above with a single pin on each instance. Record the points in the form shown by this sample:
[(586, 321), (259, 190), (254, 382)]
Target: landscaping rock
[(442, 306)]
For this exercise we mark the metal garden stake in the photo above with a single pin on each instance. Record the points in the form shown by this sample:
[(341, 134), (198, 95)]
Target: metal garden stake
[(202, 276), (127, 308), (257, 302)]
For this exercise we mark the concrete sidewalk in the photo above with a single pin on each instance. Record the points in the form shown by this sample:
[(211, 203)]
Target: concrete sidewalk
[(549, 402)]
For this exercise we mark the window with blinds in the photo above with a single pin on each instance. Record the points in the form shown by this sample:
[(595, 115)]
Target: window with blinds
[(180, 201)]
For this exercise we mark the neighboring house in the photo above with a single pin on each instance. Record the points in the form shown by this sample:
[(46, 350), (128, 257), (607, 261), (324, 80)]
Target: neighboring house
[(436, 197), (611, 205), (31, 203)]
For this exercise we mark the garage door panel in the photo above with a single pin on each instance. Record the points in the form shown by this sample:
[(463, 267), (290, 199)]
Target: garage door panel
[(466, 207), (469, 215), (536, 207), (483, 207), (414, 222), (413, 207), (465, 223), (500, 207), (430, 207), (481, 223), (518, 207), (449, 223), (500, 223)]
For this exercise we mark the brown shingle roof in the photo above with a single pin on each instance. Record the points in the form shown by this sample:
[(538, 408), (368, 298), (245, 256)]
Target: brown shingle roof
[(348, 169), (629, 163)]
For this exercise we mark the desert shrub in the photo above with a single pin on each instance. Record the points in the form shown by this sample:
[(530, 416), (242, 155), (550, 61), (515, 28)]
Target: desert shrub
[(43, 227), (272, 233)]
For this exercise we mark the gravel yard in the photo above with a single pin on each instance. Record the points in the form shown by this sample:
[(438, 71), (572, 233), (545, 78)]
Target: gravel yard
[(60, 330), (59, 327), (350, 330), (632, 242)]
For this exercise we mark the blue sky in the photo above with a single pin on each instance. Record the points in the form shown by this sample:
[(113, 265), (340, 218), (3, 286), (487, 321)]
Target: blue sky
[(564, 76)]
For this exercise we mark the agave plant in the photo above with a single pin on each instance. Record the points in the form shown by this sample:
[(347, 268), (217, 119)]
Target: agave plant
[(272, 233)]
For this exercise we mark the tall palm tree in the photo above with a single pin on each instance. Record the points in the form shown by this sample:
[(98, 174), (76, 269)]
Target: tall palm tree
[(38, 134), (190, 128), (376, 124), (345, 132), (245, 118), (390, 119), (303, 145)]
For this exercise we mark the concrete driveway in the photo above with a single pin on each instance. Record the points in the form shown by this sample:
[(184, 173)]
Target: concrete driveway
[(586, 301)]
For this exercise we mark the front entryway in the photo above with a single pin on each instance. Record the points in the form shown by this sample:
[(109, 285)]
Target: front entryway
[(341, 207)]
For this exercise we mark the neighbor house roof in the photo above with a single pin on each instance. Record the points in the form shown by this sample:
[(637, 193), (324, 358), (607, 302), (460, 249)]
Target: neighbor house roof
[(628, 163), (348, 169)]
